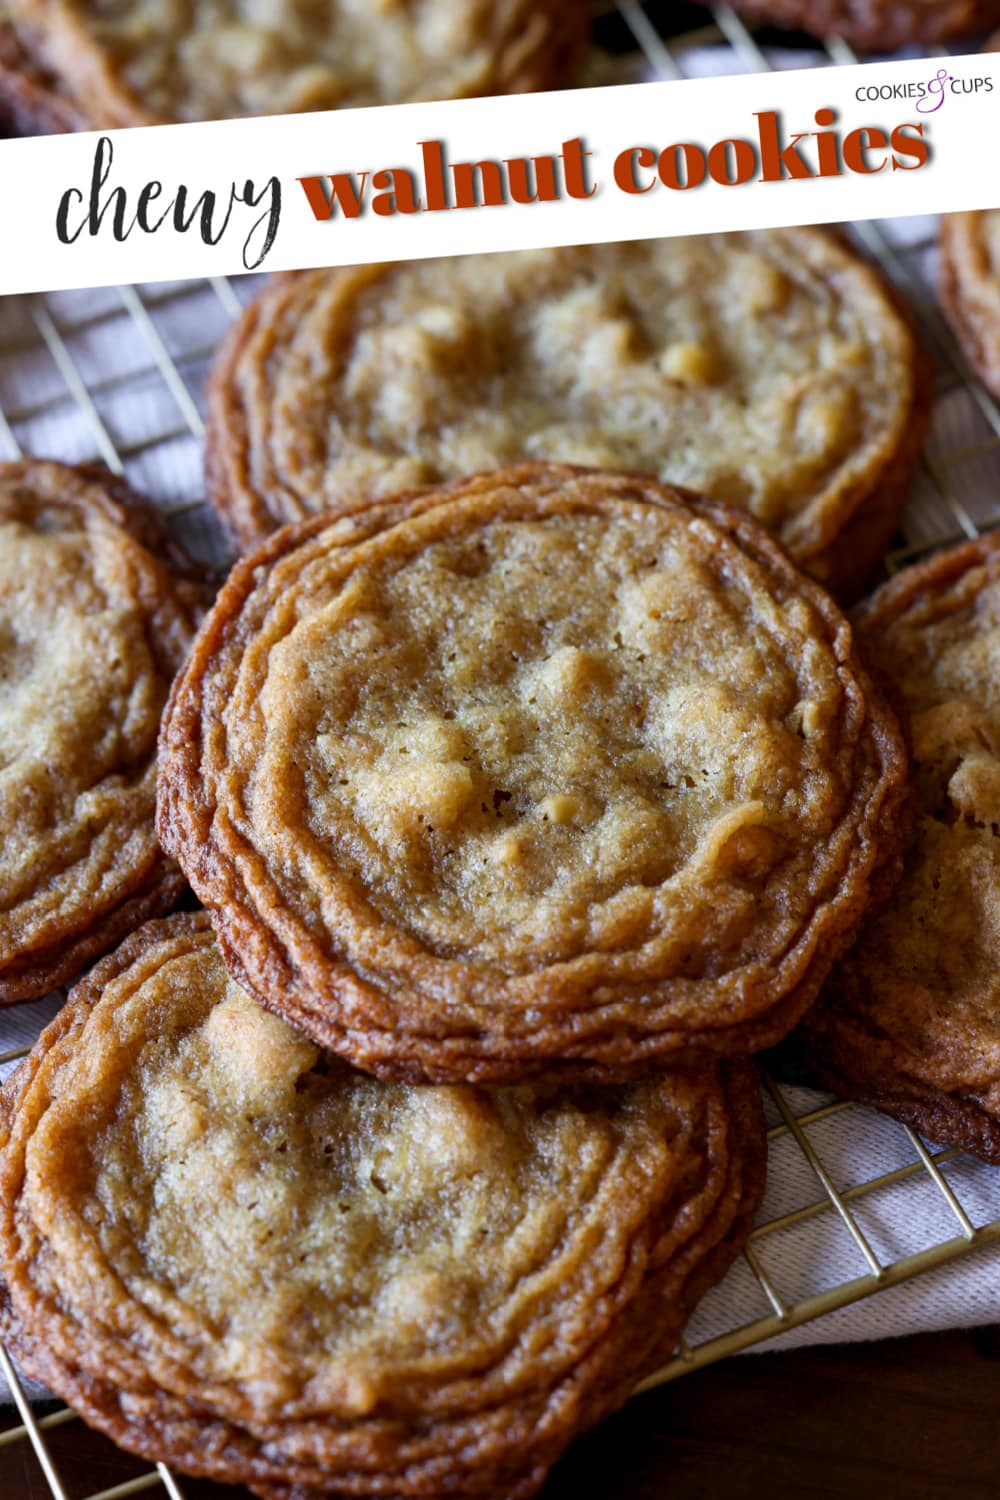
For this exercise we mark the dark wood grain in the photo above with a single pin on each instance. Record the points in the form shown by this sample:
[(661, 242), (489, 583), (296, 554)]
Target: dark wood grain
[(915, 1417)]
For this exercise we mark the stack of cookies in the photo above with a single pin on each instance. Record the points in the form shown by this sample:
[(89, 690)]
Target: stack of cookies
[(522, 809)]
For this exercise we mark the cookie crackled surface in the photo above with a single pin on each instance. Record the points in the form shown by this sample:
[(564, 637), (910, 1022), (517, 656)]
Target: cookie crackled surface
[(234, 1253), (92, 629), (548, 771), (910, 1021), (771, 369)]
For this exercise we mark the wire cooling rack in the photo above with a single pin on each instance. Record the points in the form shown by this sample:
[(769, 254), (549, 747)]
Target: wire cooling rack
[(117, 376)]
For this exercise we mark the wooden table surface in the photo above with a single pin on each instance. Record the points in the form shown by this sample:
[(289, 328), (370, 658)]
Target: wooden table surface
[(914, 1418)]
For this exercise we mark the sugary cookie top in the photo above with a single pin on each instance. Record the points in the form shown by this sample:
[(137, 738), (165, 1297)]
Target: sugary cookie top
[(548, 737), (91, 633), (214, 59), (768, 369), (516, 735), (300, 1238)]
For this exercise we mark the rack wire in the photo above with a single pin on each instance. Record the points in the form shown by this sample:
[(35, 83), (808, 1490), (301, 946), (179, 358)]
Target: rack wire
[(116, 376)]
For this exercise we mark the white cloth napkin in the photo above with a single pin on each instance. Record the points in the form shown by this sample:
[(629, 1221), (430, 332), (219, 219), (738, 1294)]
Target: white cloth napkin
[(898, 1219), (136, 412)]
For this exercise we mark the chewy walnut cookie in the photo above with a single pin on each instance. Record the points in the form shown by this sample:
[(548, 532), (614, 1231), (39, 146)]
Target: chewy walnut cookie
[(99, 65), (235, 1254), (549, 772), (910, 1021), (769, 369), (92, 629), (878, 25), (970, 287)]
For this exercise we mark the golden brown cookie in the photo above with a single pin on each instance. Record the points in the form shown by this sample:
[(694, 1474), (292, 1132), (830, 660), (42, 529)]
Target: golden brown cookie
[(970, 288), (878, 25), (92, 629), (98, 65), (548, 772), (236, 1254), (770, 369), (910, 1020)]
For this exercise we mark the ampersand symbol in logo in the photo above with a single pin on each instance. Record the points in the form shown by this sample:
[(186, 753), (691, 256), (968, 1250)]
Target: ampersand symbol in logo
[(934, 97)]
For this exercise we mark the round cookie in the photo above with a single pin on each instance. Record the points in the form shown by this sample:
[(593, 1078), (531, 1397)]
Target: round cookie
[(235, 1254), (970, 288), (549, 772), (910, 1020), (98, 65), (770, 369), (877, 25), (92, 629)]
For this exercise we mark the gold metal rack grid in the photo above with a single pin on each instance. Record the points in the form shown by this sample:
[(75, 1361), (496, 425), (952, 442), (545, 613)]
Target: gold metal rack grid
[(72, 411)]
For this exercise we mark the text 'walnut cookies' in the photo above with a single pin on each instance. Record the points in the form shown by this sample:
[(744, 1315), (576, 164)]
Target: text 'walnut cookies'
[(552, 771), (878, 25), (99, 65), (92, 630), (770, 369), (237, 1255), (970, 288), (910, 1021)]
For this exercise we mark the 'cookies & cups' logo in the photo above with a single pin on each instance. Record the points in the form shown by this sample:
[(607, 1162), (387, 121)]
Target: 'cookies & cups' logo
[(929, 94)]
